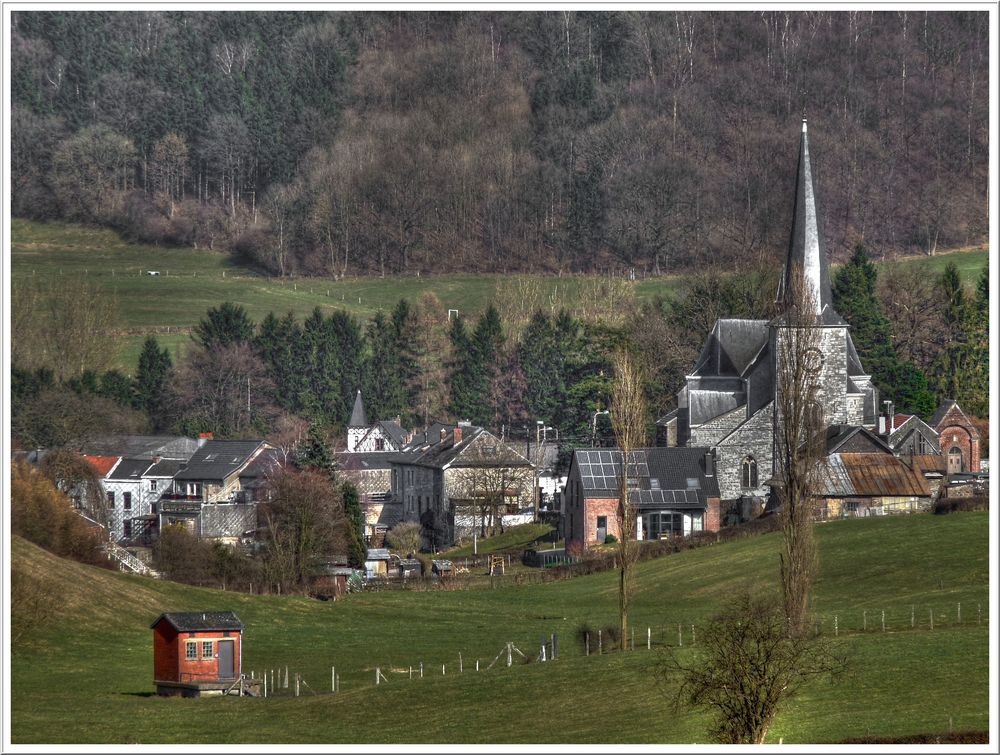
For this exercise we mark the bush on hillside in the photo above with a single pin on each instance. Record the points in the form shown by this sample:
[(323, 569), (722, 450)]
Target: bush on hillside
[(952, 505), (41, 513)]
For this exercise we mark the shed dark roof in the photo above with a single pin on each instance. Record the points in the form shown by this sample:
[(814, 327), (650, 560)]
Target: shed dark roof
[(130, 469), (209, 621), (218, 459)]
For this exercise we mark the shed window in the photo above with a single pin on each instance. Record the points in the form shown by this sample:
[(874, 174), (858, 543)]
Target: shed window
[(127, 501), (191, 650), (749, 472), (206, 649)]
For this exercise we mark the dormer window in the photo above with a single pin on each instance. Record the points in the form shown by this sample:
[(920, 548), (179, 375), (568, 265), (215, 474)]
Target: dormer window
[(380, 444)]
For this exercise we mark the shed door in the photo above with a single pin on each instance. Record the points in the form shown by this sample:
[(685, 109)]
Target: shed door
[(227, 663)]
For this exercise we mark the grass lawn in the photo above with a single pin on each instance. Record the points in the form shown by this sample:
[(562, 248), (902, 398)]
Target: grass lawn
[(193, 281), (87, 676), (515, 540)]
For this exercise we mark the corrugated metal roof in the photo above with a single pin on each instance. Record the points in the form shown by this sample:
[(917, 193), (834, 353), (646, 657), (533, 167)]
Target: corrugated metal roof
[(869, 475)]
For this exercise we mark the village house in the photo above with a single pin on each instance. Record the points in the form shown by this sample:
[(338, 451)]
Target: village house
[(206, 495), (460, 479), (674, 492)]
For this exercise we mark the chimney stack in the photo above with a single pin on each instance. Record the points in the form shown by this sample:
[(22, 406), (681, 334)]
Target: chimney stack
[(458, 435), (203, 438), (709, 464)]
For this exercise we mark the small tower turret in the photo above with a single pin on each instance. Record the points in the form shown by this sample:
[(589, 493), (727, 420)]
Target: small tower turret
[(358, 425)]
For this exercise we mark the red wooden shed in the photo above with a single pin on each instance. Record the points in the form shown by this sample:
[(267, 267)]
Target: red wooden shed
[(196, 652)]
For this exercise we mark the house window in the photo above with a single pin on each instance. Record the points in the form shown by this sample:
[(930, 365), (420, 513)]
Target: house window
[(206, 649), (191, 650), (127, 501), (127, 528), (749, 472), (379, 444), (921, 444), (152, 484), (111, 498)]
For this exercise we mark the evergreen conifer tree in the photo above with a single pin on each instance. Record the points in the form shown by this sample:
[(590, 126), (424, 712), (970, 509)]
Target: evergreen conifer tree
[(357, 553), (152, 382), (224, 325), (386, 390)]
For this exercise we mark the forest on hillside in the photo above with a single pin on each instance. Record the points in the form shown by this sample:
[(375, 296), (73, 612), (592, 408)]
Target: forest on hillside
[(347, 143)]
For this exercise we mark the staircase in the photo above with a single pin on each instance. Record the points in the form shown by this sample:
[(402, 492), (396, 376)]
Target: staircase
[(128, 561)]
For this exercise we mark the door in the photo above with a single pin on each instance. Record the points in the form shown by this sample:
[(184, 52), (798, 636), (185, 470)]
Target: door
[(602, 528), (227, 660), (955, 460)]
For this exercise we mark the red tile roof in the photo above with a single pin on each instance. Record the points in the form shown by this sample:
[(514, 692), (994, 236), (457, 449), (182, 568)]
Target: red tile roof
[(103, 464)]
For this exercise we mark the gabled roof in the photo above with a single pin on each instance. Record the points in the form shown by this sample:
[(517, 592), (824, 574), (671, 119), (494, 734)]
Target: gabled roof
[(837, 436), (103, 464), (361, 461), (264, 464), (731, 347), (130, 469), (193, 621), (165, 468), (943, 410), (443, 452), (358, 413), (904, 424), (218, 459), (393, 430)]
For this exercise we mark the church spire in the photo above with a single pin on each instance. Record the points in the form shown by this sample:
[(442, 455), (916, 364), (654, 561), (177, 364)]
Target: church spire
[(806, 256), (358, 415)]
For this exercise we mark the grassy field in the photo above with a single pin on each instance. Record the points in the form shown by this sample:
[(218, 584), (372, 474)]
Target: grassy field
[(87, 677), (192, 281)]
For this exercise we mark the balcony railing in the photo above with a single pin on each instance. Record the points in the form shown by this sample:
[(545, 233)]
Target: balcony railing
[(171, 496)]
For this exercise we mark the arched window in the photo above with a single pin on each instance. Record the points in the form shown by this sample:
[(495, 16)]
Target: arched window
[(955, 462), (749, 472)]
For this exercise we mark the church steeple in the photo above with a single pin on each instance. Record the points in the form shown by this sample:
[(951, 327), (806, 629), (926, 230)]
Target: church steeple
[(358, 418), (806, 256)]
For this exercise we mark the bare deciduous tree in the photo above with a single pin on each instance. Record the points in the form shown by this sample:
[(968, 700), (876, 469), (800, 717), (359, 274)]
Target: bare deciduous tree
[(489, 479), (747, 666), (405, 537), (799, 442), (628, 421)]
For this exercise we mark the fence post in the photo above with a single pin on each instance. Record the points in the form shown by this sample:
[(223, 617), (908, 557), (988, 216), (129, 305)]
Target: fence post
[(411, 673), (883, 619), (442, 669), (333, 678), (587, 641), (913, 620), (460, 669), (979, 611), (509, 660), (866, 621), (649, 638), (265, 684), (931, 612), (600, 642), (836, 629), (286, 677), (555, 645), (477, 664), (421, 669), (959, 613), (692, 635), (377, 675), (680, 637), (633, 638)]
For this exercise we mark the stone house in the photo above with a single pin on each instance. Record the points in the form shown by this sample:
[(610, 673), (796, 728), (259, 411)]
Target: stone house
[(674, 490), (456, 479)]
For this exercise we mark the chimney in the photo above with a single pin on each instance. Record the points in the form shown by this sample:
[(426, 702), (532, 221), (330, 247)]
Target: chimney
[(458, 435), (709, 463), (203, 438), (881, 425), (443, 433), (892, 418)]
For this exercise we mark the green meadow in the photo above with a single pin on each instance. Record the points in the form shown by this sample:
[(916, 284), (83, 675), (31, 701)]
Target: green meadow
[(86, 674), (191, 281)]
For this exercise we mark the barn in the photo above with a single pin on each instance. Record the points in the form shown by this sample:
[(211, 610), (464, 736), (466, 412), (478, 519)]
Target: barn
[(196, 652)]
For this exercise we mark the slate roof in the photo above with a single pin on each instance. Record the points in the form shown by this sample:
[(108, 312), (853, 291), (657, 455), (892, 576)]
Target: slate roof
[(731, 347), (377, 554), (358, 413), (165, 468), (869, 475), (838, 435), (218, 459), (136, 446), (394, 431), (130, 469), (263, 464), (367, 460), (667, 476), (439, 453), (193, 621)]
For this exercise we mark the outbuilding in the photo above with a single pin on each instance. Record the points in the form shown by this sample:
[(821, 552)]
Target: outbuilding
[(196, 652)]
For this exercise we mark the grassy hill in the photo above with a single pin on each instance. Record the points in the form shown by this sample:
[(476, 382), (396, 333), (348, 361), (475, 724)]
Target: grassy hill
[(87, 676), (191, 281)]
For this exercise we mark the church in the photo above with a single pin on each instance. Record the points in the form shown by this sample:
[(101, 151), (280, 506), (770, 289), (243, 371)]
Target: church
[(729, 398)]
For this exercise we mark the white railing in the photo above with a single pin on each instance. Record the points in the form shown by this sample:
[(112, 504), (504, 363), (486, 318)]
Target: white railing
[(129, 561)]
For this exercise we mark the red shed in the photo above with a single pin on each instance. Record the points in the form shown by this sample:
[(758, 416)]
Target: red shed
[(196, 652)]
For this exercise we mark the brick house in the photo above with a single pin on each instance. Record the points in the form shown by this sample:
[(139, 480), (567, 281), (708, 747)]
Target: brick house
[(959, 438), (675, 492), (196, 652)]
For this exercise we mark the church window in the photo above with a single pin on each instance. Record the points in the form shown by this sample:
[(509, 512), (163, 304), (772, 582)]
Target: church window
[(921, 444), (749, 472)]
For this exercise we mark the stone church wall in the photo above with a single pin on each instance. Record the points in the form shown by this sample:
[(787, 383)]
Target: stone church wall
[(711, 432), (755, 437)]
